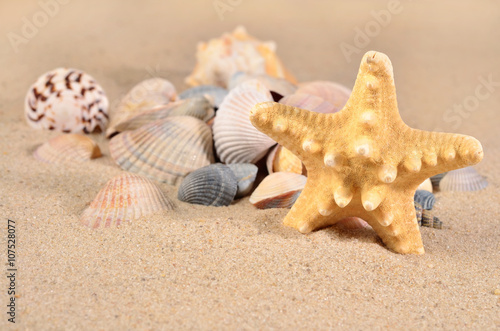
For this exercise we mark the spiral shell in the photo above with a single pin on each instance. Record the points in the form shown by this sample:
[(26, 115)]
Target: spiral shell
[(66, 100), (165, 150), (465, 179), (334, 93), (68, 148), (278, 190), (426, 218), (124, 198), (245, 173), (213, 185)]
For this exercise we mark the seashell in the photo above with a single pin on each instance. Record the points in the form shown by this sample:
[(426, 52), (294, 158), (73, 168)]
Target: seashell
[(430, 220), (426, 185), (352, 223), (198, 107), (147, 94), (418, 211), (309, 102), (213, 185), (278, 190), (280, 159), (465, 179), (334, 93), (425, 198), (66, 100), (278, 85), (245, 173), (236, 139), (214, 93), (124, 198), (165, 150), (436, 179), (68, 148), (219, 59)]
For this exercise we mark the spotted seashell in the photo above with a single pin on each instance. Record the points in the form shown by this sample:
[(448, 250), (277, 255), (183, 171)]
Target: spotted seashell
[(436, 179), (465, 179), (309, 102), (425, 198), (280, 159), (68, 148), (245, 173), (66, 100), (124, 198), (278, 85), (278, 190), (198, 107), (218, 59), (236, 139), (142, 97), (213, 185), (334, 93), (165, 150), (211, 92)]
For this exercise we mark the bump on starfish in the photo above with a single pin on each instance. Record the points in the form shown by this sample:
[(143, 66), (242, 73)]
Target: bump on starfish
[(364, 161)]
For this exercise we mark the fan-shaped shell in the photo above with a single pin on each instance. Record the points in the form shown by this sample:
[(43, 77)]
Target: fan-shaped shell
[(280, 159), (165, 150), (219, 59), (245, 173), (124, 198), (66, 100), (425, 198), (68, 148), (145, 95), (309, 102), (211, 92), (198, 107), (278, 190), (334, 93), (278, 85), (465, 179), (236, 139), (213, 185)]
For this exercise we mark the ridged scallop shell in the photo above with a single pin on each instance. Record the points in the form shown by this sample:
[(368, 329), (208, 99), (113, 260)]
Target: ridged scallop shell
[(236, 139), (280, 159), (465, 179), (278, 190), (278, 85), (145, 95), (245, 173), (425, 198), (213, 185), (309, 102), (66, 100), (68, 148), (165, 150), (124, 198), (426, 185), (219, 59), (198, 107), (334, 93), (213, 93)]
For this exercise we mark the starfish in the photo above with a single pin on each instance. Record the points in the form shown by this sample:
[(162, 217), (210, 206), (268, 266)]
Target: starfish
[(364, 160)]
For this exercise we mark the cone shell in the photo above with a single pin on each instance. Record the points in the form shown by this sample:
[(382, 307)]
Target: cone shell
[(143, 96), (214, 93), (465, 179), (236, 139), (278, 190), (280, 159), (334, 93), (68, 148), (245, 173), (426, 185), (219, 59), (213, 185), (425, 198), (165, 150), (66, 100), (124, 198), (278, 85), (309, 102)]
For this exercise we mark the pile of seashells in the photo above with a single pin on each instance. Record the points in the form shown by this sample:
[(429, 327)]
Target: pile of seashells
[(201, 139)]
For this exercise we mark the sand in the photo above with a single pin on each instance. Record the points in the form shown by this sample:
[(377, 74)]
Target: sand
[(237, 267)]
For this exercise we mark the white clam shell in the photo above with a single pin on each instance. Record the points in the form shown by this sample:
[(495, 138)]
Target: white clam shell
[(334, 93), (68, 148), (124, 198), (278, 85), (278, 190), (309, 102), (66, 100), (236, 139), (465, 179), (280, 159)]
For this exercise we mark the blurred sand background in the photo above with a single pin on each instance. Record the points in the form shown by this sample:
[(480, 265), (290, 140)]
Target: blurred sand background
[(237, 267)]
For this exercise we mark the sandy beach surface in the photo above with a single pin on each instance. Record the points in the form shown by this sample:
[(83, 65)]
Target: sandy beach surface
[(236, 267)]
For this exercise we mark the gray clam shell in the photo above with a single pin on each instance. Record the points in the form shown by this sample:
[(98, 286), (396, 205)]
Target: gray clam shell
[(217, 93), (425, 198), (213, 185), (245, 174), (465, 179)]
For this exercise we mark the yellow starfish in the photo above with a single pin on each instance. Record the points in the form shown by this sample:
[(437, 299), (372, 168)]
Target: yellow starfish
[(364, 161)]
